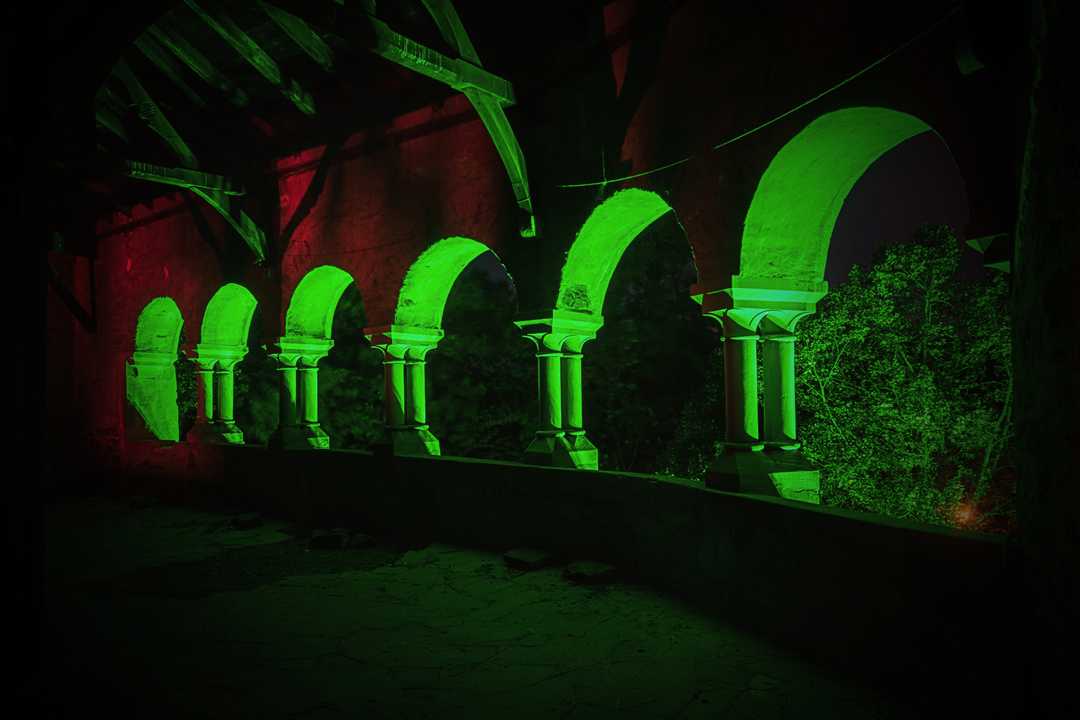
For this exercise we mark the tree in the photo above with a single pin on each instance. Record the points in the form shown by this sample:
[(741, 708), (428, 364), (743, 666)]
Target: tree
[(905, 386)]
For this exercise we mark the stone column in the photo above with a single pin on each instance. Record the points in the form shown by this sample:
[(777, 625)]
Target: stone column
[(582, 453), (740, 379), (223, 382), (298, 393), (204, 370), (404, 350), (393, 385), (779, 361)]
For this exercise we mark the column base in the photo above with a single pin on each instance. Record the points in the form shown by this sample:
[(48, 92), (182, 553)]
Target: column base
[(779, 473), (569, 451), (299, 437), (216, 434), (414, 441)]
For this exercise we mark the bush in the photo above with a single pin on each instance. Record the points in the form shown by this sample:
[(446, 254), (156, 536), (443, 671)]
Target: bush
[(905, 384)]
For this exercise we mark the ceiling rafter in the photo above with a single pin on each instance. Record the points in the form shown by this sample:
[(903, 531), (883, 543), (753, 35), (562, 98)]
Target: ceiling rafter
[(152, 115), (216, 190), (490, 110), (220, 22), (302, 34), (157, 55), (199, 64)]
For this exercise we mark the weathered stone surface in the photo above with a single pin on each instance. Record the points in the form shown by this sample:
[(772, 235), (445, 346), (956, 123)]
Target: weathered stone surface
[(527, 558), (588, 572)]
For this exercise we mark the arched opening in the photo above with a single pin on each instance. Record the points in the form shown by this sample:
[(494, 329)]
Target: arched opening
[(791, 218), (461, 279), (151, 411), (786, 244), (309, 324), (224, 343), (597, 250)]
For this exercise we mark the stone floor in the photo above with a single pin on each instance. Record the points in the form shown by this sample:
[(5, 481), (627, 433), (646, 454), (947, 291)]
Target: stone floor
[(157, 611)]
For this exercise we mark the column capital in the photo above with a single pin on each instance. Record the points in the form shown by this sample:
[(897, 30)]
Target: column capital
[(294, 351), (773, 293), (406, 335), (562, 331), (738, 323), (780, 325), (205, 352)]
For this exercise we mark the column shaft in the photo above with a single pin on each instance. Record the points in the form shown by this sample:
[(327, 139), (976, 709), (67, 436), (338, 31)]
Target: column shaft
[(549, 383), (394, 392), (779, 360), (740, 389), (205, 404), (416, 395), (223, 379), (309, 394), (571, 387), (287, 396)]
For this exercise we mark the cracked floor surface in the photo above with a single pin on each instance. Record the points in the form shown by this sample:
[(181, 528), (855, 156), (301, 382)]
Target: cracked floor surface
[(156, 611)]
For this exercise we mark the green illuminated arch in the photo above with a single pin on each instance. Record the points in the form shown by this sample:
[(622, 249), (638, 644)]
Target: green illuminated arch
[(311, 310), (228, 317), (791, 217), (150, 375), (600, 245), (428, 283)]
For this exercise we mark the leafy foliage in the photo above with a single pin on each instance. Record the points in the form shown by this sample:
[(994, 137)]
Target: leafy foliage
[(481, 377), (905, 383), (643, 375)]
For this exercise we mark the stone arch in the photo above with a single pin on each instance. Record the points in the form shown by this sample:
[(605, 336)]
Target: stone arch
[(222, 345), (311, 308), (415, 331), (430, 279), (228, 317), (791, 217), (309, 323), (577, 316), (150, 374), (600, 244)]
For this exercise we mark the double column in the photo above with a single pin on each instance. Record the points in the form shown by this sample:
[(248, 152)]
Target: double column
[(404, 352), (560, 437), (215, 369), (298, 393)]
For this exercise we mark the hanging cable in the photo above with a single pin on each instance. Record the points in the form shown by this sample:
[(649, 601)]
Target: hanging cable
[(767, 123)]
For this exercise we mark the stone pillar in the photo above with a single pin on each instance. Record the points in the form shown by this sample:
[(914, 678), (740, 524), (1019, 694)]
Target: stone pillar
[(204, 370), (223, 383), (779, 361), (298, 394), (560, 436), (404, 351), (740, 380)]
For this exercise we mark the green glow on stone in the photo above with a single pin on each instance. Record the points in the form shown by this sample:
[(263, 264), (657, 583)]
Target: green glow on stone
[(228, 317), (428, 283), (158, 327), (311, 310), (150, 377), (797, 201), (600, 245)]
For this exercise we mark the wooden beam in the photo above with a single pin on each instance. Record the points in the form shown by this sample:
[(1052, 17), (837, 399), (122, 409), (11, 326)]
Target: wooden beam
[(156, 54), (220, 22), (458, 74), (216, 190), (182, 177), (110, 121), (491, 113), (149, 111), (199, 64), (302, 34)]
